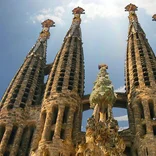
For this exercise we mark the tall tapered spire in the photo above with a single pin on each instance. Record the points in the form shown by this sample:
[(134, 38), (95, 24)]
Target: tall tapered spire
[(68, 68), (61, 106), (75, 30), (24, 88), (43, 37), (139, 54), (140, 86), (24, 92)]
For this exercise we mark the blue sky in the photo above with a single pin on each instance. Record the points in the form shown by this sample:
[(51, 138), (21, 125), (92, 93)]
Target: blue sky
[(104, 34)]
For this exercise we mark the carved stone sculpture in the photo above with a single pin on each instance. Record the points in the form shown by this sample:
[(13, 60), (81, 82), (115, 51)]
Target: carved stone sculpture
[(103, 93), (102, 137)]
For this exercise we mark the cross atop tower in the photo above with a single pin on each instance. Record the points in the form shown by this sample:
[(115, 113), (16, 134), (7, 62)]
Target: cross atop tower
[(131, 7), (78, 10), (48, 23), (45, 34), (132, 15), (154, 17)]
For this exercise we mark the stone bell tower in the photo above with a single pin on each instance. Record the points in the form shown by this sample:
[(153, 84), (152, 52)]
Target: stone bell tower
[(23, 93), (60, 118), (140, 87)]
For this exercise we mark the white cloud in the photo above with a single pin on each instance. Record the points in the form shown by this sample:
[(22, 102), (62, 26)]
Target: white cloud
[(148, 5), (120, 89), (121, 118), (122, 128), (94, 8), (111, 8), (59, 11), (99, 9), (56, 15)]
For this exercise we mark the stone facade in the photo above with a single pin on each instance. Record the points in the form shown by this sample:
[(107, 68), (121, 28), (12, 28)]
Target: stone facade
[(40, 119), (140, 87), (20, 105)]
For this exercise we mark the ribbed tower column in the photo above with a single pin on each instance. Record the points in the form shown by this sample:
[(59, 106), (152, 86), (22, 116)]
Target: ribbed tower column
[(62, 99), (24, 91), (140, 87)]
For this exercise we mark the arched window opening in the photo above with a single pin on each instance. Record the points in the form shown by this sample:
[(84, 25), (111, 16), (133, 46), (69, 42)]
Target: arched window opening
[(22, 105), (50, 138), (70, 87), (2, 130), (32, 129), (134, 70), (120, 114), (136, 83), (12, 136), (22, 143), (154, 70), (59, 89), (48, 93), (65, 116), (144, 69), (127, 151), (62, 135), (55, 113), (144, 130), (141, 109), (151, 109), (154, 130), (137, 36), (146, 151), (147, 83), (43, 117)]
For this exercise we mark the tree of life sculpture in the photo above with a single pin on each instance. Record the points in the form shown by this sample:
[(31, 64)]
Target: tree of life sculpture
[(102, 96)]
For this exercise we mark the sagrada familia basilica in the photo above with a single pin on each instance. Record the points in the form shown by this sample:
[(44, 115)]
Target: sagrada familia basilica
[(38, 119)]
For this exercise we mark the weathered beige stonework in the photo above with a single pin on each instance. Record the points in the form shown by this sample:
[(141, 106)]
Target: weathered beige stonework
[(140, 87), (102, 129), (20, 105), (60, 119)]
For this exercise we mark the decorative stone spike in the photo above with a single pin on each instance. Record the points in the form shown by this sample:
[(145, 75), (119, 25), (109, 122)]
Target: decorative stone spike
[(140, 86), (131, 7), (45, 34), (78, 10), (154, 17), (62, 99), (102, 134), (103, 91), (24, 92), (48, 23)]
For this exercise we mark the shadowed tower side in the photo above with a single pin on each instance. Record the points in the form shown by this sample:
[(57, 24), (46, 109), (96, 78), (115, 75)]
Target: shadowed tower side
[(140, 87), (24, 91), (60, 118)]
